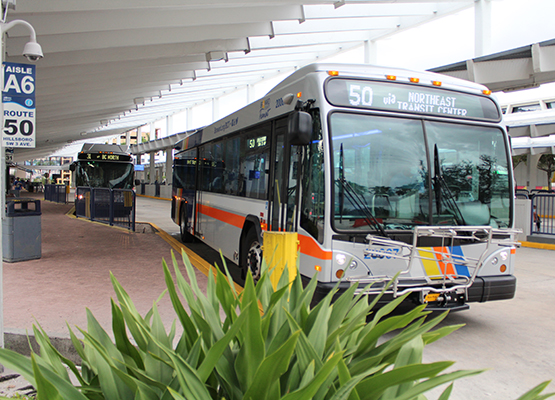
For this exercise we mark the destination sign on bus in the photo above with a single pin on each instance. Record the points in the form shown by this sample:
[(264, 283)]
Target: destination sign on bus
[(257, 142), (393, 96), (103, 157)]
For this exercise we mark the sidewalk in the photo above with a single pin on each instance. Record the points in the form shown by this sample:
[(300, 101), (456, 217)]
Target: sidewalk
[(74, 274)]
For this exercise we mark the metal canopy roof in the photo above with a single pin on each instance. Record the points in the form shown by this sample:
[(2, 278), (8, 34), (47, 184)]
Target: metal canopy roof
[(111, 66)]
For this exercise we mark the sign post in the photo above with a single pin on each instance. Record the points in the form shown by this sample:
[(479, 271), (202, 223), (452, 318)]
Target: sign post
[(18, 98)]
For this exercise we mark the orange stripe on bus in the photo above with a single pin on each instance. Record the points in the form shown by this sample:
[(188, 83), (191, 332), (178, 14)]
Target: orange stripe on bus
[(310, 247), (224, 216)]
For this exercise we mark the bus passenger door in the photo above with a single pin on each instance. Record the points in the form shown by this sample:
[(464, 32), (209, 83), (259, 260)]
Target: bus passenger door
[(284, 182)]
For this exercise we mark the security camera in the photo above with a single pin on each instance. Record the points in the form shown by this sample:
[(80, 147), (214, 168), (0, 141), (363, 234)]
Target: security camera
[(33, 51)]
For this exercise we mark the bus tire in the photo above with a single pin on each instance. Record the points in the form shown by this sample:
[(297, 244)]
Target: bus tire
[(251, 255), (186, 237)]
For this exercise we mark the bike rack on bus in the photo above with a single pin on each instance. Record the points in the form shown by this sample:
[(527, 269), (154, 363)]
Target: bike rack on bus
[(410, 253)]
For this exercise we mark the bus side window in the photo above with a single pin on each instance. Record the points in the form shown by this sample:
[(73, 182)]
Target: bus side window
[(205, 161), (254, 169), (232, 156)]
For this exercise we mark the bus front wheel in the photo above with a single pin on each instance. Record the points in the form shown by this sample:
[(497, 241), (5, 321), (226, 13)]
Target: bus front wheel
[(186, 237), (252, 254)]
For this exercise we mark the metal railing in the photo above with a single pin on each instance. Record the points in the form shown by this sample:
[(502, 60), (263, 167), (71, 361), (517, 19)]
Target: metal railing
[(459, 279), (543, 214), (55, 193), (109, 206)]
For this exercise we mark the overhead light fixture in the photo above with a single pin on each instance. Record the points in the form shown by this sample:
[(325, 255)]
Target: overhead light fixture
[(216, 56), (338, 4), (139, 100)]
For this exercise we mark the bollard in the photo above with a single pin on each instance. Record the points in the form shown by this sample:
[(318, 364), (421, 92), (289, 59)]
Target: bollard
[(280, 249)]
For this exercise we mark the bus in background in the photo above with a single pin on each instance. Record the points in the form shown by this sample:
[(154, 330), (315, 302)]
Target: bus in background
[(104, 166), (104, 180), (380, 171)]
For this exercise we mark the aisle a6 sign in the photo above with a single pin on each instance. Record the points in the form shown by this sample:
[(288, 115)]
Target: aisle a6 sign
[(18, 97)]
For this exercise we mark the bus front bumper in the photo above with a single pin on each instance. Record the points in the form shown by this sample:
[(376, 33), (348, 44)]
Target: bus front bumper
[(486, 288), (490, 288)]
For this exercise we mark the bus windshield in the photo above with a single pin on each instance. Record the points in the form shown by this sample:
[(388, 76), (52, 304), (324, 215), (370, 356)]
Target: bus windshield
[(104, 174), (395, 173)]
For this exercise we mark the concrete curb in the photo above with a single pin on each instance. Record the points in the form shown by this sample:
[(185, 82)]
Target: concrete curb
[(19, 342)]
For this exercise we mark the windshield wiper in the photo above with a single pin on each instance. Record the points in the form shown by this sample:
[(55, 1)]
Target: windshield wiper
[(355, 199), (444, 196)]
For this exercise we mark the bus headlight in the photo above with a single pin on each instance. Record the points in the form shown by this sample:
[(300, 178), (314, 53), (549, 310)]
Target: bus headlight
[(504, 255), (340, 258)]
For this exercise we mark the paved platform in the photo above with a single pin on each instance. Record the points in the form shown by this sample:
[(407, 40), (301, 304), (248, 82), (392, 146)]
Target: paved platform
[(73, 273)]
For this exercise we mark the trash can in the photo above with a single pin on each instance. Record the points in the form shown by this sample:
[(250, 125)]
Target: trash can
[(21, 236)]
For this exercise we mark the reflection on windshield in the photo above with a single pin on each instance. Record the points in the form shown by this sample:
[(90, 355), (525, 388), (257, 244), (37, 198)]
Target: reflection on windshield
[(386, 164), (104, 174)]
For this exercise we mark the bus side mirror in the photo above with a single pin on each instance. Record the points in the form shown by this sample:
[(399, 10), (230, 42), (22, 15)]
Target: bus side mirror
[(299, 128), (72, 167)]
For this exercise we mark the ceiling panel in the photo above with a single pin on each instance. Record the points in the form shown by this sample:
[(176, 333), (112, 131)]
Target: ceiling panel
[(102, 57)]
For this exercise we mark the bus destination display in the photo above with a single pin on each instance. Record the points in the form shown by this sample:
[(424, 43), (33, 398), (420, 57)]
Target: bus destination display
[(409, 98), (103, 157)]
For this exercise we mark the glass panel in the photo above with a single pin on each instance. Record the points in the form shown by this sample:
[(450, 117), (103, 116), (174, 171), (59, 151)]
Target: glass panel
[(278, 196), (255, 164), (382, 180), (184, 170), (475, 185), (104, 174), (526, 108), (294, 165), (312, 202), (379, 172), (231, 165)]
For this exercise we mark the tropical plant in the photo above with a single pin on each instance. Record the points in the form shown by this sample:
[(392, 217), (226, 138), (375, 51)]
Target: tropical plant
[(517, 160), (259, 344), (547, 163)]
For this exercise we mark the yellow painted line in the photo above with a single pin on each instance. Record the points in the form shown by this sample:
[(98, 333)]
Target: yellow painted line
[(152, 197), (197, 261), (71, 214), (535, 245)]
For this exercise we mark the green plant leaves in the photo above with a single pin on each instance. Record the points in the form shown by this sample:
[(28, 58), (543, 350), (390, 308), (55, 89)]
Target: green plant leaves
[(258, 344)]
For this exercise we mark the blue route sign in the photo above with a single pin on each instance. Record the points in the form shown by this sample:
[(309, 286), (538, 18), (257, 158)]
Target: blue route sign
[(18, 98)]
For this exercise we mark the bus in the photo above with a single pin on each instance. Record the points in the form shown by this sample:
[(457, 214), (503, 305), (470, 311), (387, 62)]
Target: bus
[(387, 175), (104, 166), (104, 180)]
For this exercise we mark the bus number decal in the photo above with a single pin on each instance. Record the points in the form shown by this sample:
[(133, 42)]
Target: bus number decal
[(279, 102), (381, 253)]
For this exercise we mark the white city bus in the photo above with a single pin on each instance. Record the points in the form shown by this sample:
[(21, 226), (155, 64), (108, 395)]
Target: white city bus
[(378, 170)]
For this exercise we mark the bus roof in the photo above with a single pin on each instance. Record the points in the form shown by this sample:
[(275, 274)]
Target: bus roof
[(236, 120), (379, 72), (104, 148)]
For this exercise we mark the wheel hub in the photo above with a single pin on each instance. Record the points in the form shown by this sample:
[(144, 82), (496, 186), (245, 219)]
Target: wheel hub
[(254, 260)]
